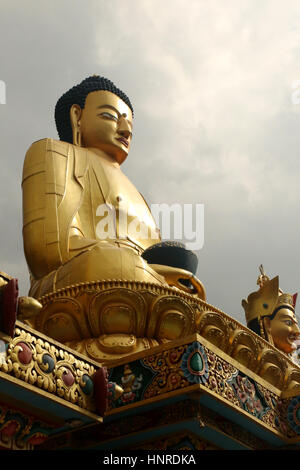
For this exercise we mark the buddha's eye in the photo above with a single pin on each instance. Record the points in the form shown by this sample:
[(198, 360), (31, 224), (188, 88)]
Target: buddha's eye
[(109, 116)]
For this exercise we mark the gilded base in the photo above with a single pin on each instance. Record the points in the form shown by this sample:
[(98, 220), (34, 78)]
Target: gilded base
[(107, 320), (112, 347)]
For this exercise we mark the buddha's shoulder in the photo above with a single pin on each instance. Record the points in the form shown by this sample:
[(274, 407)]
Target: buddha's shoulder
[(52, 155), (49, 145)]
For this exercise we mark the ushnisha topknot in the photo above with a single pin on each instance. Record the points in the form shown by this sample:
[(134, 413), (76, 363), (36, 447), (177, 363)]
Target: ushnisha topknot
[(77, 95)]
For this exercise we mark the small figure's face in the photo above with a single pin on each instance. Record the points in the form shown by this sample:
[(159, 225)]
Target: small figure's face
[(284, 330), (106, 124)]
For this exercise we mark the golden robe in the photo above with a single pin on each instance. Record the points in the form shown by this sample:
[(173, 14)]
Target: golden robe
[(63, 185)]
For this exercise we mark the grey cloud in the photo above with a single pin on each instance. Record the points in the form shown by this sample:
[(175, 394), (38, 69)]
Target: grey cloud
[(214, 122)]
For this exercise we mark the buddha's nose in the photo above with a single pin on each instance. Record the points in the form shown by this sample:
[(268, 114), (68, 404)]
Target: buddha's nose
[(124, 128), (296, 329)]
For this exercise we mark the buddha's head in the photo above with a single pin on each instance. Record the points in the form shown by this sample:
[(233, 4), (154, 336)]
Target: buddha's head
[(271, 314), (283, 327), (96, 114)]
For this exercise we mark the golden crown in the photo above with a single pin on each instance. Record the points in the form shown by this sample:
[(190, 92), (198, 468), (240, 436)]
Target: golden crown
[(263, 302)]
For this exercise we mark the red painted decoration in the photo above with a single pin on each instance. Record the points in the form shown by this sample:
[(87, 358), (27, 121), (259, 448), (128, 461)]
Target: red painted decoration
[(37, 439), (10, 428), (101, 390), (295, 299)]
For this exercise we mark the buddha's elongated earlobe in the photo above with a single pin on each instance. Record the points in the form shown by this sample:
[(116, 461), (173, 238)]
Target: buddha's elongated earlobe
[(77, 136), (75, 114)]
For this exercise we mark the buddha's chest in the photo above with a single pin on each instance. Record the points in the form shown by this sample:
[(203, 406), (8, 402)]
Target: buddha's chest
[(107, 188)]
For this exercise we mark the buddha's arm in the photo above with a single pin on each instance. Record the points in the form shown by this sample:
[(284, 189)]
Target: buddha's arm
[(51, 197), (77, 240), (43, 189)]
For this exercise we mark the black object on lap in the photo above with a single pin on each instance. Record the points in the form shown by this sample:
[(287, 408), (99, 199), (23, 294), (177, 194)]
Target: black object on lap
[(173, 254)]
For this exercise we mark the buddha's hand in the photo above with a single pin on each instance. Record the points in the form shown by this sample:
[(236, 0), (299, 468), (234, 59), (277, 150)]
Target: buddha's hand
[(173, 275), (28, 307)]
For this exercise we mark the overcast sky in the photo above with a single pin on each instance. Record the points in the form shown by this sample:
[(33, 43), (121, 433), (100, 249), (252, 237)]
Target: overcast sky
[(216, 121)]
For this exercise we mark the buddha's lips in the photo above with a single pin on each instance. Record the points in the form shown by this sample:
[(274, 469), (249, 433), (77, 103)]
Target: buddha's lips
[(292, 338), (123, 141)]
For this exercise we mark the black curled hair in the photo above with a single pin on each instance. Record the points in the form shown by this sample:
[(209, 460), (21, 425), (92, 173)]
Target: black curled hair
[(77, 95), (254, 326)]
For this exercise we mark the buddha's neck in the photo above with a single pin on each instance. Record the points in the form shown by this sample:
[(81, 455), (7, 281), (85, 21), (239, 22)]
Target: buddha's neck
[(105, 156)]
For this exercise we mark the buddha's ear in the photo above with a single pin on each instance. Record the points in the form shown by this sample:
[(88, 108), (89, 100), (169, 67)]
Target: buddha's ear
[(75, 116)]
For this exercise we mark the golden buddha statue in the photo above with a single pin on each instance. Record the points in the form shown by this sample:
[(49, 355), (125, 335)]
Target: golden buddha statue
[(72, 190), (271, 314)]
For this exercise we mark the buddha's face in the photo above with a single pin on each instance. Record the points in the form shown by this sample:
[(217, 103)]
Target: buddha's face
[(284, 330), (106, 124)]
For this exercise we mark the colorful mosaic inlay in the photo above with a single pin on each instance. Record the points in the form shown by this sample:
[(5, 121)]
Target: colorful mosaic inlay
[(293, 414), (184, 366), (248, 395), (134, 378), (14, 424)]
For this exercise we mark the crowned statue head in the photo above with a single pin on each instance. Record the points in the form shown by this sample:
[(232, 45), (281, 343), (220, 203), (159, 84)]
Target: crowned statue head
[(271, 314), (97, 115)]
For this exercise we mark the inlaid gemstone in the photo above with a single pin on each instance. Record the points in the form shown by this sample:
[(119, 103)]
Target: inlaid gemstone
[(48, 361), (25, 354), (89, 386), (196, 362), (68, 378), (173, 356)]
